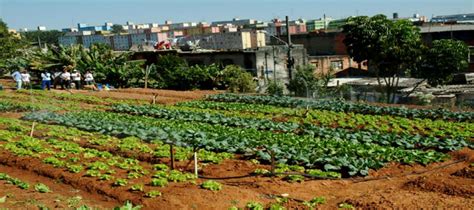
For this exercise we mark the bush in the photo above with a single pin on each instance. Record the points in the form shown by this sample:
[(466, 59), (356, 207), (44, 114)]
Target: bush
[(235, 79), (274, 88)]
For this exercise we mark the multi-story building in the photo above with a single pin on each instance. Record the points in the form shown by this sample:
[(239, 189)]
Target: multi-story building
[(235, 22), (278, 27), (119, 42), (85, 27), (89, 40), (317, 24), (228, 40), (337, 24), (458, 18)]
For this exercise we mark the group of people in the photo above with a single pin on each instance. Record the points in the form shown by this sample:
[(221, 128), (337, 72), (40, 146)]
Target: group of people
[(64, 78)]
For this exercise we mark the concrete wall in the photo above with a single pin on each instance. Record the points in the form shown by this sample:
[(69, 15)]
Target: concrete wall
[(322, 64)]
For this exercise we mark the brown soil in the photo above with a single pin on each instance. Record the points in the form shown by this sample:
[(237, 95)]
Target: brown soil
[(61, 195), (454, 186), (467, 172)]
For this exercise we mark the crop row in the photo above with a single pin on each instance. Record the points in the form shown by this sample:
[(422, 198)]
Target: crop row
[(386, 139), (39, 187), (13, 107), (329, 153), (382, 123), (97, 165), (344, 106)]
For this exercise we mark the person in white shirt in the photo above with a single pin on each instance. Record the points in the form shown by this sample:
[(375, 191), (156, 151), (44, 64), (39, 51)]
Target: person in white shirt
[(76, 79), (16, 75), (25, 78), (89, 78), (46, 80), (65, 79)]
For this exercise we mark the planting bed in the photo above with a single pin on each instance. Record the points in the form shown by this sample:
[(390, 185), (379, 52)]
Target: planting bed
[(104, 149)]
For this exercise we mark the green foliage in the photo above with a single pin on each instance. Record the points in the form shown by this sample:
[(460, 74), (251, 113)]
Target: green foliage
[(313, 203), (392, 48), (274, 88), (128, 206), (107, 66), (153, 194), (160, 182), (137, 187), (120, 182), (444, 58), (50, 37), (117, 28), (252, 205), (345, 206), (211, 185), (304, 82), (235, 79), (42, 188), (12, 50)]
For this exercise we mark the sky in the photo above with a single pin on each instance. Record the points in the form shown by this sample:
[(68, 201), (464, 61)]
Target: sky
[(58, 14)]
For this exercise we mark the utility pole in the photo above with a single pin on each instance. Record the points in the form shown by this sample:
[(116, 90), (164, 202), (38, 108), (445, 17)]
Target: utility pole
[(290, 58)]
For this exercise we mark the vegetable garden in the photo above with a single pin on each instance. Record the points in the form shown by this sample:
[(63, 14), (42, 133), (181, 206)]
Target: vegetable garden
[(205, 150)]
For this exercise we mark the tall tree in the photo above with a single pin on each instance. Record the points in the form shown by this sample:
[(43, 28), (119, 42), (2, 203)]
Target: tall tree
[(391, 48), (45, 37), (12, 49), (116, 29), (444, 58)]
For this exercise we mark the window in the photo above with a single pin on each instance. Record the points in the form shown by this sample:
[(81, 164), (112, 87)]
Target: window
[(336, 65)]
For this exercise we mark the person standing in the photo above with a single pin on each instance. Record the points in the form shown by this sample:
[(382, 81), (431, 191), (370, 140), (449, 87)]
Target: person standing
[(65, 79), (17, 77), (46, 80), (89, 78), (76, 79), (25, 78), (56, 78)]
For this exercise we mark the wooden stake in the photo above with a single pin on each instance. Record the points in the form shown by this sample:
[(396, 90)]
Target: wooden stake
[(195, 164), (32, 129), (272, 154), (172, 156)]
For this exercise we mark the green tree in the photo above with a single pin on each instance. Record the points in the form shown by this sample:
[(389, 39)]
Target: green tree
[(304, 82), (274, 88), (168, 69), (391, 48), (444, 58), (45, 37), (116, 29), (12, 50), (236, 79)]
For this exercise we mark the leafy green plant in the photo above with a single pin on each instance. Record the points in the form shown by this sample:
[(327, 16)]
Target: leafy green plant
[(137, 187), (153, 193), (252, 205), (42, 188), (313, 203), (345, 206), (120, 182), (211, 185), (74, 168), (128, 206), (93, 173), (160, 182)]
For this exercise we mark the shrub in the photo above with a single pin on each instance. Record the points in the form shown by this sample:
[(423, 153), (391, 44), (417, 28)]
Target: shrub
[(275, 88), (235, 79)]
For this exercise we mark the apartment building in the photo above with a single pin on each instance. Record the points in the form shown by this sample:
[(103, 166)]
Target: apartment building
[(228, 40)]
